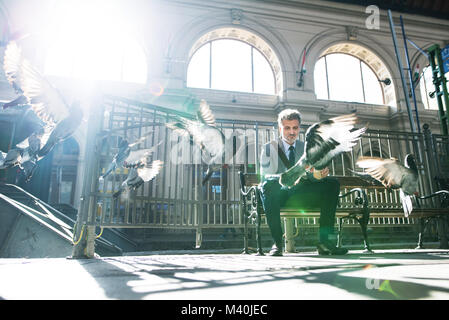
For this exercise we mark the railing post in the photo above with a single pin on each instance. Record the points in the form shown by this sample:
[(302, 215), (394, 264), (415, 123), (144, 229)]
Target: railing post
[(431, 157), (289, 235), (200, 194), (433, 170), (84, 246)]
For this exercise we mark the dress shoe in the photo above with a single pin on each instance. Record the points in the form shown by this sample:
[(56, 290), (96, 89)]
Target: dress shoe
[(326, 248), (275, 251)]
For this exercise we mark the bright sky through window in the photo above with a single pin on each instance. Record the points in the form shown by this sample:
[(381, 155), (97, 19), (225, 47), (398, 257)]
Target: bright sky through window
[(342, 77), (426, 86), (93, 40), (230, 65)]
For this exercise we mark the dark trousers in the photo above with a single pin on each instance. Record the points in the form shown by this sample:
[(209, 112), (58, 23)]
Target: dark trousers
[(305, 195)]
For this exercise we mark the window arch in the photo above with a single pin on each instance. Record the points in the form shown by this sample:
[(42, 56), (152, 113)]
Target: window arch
[(93, 41), (235, 60), (348, 72)]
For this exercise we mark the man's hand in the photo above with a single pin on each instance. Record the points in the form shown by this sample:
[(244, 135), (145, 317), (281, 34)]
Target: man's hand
[(320, 174)]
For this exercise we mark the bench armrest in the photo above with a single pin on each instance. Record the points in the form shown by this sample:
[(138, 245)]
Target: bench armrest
[(443, 193), (361, 197)]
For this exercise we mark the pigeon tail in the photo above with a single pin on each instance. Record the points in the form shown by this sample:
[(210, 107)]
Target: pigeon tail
[(28, 169), (19, 101), (47, 148), (111, 167), (116, 194), (208, 175)]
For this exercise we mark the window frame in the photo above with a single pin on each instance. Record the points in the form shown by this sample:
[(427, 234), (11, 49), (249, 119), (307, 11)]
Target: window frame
[(210, 43), (361, 77)]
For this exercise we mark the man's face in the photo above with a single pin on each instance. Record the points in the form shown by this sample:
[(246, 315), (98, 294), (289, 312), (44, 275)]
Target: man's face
[(289, 130)]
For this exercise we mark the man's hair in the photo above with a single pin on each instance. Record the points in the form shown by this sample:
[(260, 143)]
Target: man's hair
[(289, 114)]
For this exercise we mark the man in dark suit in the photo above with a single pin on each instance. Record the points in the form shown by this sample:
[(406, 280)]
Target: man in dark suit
[(316, 189)]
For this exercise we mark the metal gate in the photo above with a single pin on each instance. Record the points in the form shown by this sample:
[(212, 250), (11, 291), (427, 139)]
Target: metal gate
[(176, 199)]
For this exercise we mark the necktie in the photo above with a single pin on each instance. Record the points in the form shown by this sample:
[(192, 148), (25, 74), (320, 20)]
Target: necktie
[(291, 156)]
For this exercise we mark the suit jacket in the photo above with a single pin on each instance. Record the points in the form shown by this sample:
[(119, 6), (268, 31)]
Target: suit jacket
[(270, 161)]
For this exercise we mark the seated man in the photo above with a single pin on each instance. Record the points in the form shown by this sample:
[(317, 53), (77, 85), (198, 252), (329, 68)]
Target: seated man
[(315, 190)]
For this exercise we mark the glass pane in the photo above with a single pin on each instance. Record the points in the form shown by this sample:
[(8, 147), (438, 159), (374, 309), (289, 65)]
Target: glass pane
[(231, 66), (426, 82), (263, 74), (199, 66), (319, 76), (345, 83), (65, 192), (373, 89)]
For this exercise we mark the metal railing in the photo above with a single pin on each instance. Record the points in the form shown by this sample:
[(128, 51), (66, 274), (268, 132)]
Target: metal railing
[(176, 199)]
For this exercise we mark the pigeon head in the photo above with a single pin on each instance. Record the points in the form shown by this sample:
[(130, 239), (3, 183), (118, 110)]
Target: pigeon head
[(123, 144), (410, 162), (34, 142)]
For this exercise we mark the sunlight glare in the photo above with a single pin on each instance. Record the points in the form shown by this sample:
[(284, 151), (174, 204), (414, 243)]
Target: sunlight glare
[(93, 40)]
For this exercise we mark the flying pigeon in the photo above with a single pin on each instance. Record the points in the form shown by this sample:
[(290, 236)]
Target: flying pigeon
[(140, 174), (45, 100), (35, 141), (391, 173), (323, 141), (11, 158), (29, 152), (64, 129), (203, 132), (127, 158), (24, 155), (11, 66)]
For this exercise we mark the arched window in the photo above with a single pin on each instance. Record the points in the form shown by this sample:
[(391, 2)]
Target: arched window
[(347, 72), (427, 89), (93, 40), (234, 60)]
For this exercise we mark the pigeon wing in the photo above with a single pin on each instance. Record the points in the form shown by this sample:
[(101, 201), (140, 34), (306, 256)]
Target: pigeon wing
[(23, 144), (213, 142), (205, 115), (139, 141), (12, 65), (180, 127), (46, 101), (150, 171), (327, 139), (185, 128), (341, 129), (317, 148), (388, 171), (137, 157)]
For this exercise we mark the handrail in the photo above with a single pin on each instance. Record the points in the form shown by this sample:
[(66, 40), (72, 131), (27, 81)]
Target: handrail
[(43, 204), (28, 211), (40, 201)]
